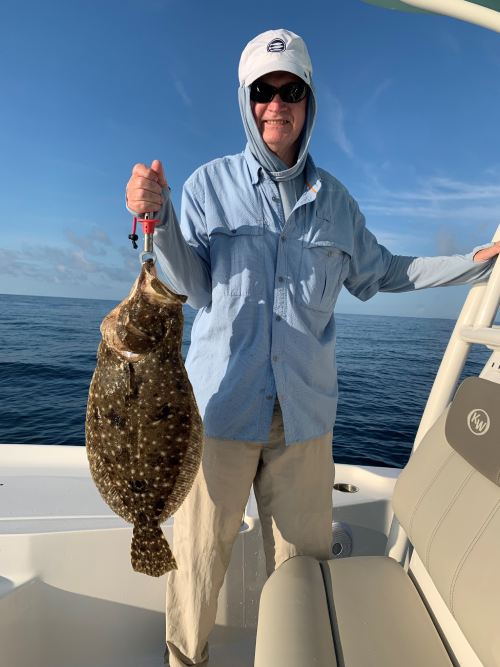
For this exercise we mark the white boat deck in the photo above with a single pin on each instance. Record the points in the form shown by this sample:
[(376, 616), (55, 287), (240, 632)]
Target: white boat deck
[(68, 594)]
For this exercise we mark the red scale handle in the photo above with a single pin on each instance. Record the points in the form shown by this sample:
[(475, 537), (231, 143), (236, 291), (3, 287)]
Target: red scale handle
[(148, 226)]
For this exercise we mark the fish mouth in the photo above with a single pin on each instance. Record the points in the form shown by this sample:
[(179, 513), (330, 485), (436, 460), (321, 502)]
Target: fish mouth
[(123, 340), (140, 322), (154, 288)]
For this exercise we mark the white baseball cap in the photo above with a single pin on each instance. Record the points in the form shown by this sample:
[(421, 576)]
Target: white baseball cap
[(274, 51)]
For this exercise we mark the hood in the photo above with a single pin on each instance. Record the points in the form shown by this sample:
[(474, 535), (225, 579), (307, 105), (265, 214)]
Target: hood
[(273, 51), (277, 169)]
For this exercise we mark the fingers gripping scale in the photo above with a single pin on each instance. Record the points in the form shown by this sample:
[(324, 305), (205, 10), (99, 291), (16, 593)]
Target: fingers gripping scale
[(148, 222)]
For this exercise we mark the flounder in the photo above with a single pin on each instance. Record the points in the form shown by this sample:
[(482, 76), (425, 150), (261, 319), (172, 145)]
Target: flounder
[(143, 430)]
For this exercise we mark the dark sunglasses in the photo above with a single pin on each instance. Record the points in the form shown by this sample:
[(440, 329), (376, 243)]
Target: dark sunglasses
[(290, 93)]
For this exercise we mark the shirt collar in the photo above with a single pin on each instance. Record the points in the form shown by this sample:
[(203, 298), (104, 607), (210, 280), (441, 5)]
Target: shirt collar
[(253, 165), (313, 180), (311, 173)]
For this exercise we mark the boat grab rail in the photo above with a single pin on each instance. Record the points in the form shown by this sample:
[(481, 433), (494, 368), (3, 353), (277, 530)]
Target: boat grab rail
[(477, 315), (474, 325), (489, 336), (471, 12)]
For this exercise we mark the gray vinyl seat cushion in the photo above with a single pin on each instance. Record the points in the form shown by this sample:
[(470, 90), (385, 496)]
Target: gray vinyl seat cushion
[(375, 618), (376, 600), (447, 500), (294, 622)]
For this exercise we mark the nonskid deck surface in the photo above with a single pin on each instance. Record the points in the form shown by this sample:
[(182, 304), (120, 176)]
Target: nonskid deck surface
[(51, 627), (229, 647), (232, 647), (84, 610)]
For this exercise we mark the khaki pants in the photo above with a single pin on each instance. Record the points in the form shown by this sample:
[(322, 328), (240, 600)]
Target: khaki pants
[(293, 489)]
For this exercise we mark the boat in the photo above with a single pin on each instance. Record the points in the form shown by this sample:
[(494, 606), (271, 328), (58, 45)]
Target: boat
[(69, 597)]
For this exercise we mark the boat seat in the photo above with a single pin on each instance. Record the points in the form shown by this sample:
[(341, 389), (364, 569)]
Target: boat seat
[(366, 611)]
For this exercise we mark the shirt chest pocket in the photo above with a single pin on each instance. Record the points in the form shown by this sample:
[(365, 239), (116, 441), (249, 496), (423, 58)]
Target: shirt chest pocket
[(237, 260), (323, 269)]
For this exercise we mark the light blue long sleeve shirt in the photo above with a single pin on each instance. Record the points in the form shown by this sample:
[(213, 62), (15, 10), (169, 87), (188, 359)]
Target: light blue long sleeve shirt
[(265, 289)]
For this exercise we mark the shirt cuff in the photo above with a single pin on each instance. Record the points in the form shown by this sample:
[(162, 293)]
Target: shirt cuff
[(472, 254)]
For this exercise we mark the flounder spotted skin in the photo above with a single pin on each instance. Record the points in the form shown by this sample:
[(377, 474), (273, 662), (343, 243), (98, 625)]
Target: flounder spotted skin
[(143, 429)]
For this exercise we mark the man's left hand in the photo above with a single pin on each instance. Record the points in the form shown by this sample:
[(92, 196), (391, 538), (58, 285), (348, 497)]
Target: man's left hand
[(487, 253)]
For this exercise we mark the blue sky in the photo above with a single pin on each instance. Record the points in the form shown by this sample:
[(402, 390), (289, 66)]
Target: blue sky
[(408, 121)]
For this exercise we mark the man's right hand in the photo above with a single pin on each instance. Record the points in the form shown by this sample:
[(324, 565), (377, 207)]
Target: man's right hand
[(144, 188)]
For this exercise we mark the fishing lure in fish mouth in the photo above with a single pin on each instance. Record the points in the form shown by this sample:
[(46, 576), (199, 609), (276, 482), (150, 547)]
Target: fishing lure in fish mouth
[(144, 434)]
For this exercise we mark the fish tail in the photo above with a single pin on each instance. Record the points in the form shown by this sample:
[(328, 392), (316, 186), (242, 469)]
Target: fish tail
[(150, 551)]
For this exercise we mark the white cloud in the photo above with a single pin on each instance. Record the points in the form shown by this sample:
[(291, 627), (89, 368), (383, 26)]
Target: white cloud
[(60, 264), (439, 198), (94, 242), (371, 103), (180, 88), (440, 189), (415, 211), (335, 118)]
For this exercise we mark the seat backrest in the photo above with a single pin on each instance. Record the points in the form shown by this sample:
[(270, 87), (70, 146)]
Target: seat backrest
[(448, 501)]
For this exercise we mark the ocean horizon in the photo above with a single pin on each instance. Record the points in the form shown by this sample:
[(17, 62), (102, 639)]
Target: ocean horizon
[(386, 366), (117, 300)]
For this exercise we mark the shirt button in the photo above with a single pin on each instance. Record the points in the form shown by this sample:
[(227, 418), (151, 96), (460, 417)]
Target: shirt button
[(233, 231), (275, 357), (281, 279), (275, 198), (278, 318), (283, 237), (269, 397)]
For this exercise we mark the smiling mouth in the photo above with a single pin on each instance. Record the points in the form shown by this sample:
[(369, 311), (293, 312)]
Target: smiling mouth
[(276, 122)]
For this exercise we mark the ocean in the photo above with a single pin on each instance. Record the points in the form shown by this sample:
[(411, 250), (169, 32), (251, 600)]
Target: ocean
[(386, 366)]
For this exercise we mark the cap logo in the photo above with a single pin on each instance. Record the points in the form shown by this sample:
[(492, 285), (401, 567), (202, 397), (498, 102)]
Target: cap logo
[(276, 45), (478, 422)]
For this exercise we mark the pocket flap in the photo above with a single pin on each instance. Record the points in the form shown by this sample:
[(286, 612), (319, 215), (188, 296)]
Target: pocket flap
[(330, 246), (242, 230)]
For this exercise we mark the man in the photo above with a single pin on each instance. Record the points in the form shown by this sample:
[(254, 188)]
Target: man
[(266, 241)]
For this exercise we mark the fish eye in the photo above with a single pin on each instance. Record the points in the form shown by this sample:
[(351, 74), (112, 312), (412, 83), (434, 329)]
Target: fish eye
[(138, 485)]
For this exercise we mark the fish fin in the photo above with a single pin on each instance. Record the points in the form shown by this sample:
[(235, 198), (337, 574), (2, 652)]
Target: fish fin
[(150, 551)]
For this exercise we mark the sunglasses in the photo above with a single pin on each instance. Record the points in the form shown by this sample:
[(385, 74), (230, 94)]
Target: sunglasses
[(290, 93)]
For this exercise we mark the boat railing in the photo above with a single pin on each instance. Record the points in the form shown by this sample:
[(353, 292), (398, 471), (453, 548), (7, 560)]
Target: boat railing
[(477, 12), (475, 325), (465, 10)]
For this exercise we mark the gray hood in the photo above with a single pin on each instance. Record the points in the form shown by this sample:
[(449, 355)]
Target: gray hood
[(276, 168)]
